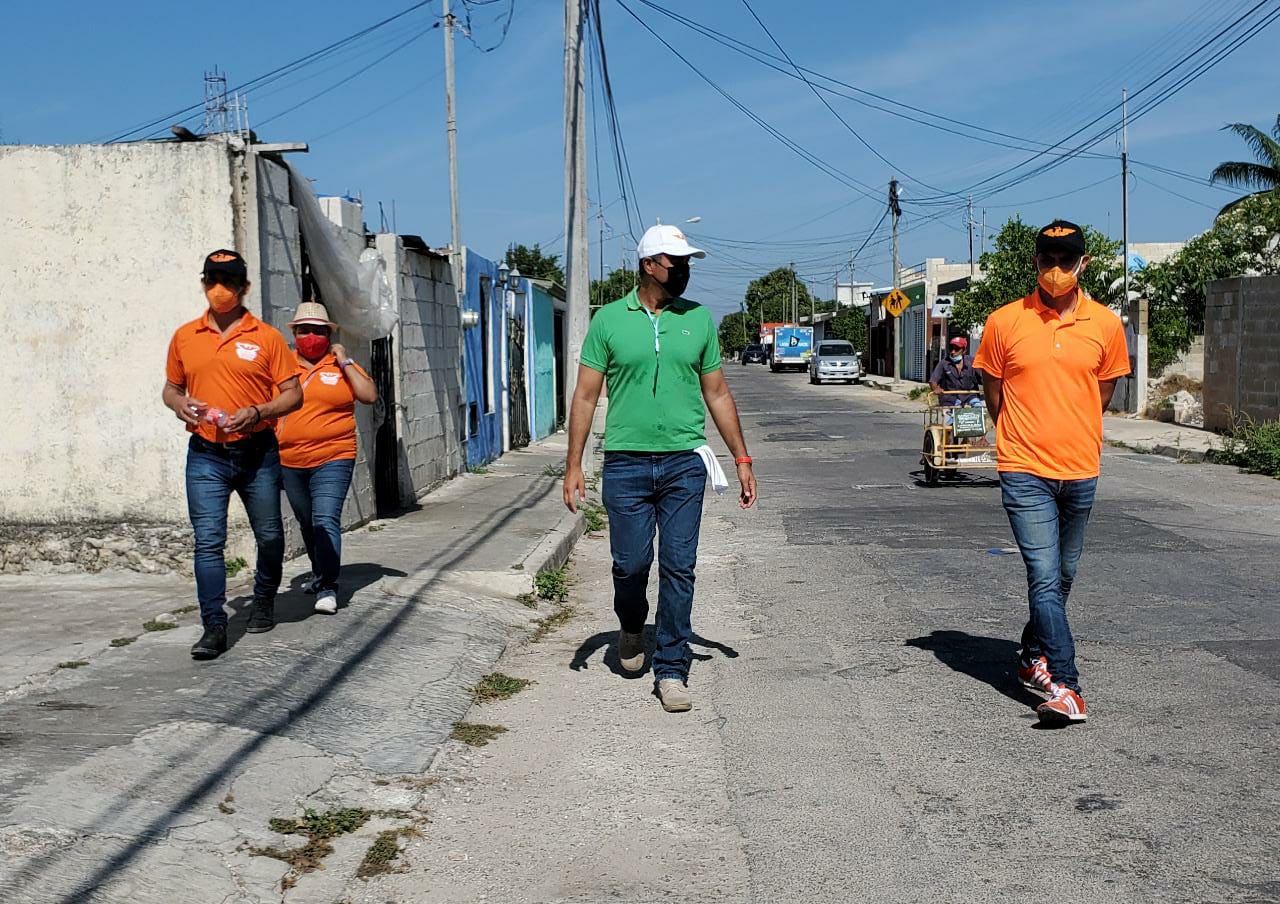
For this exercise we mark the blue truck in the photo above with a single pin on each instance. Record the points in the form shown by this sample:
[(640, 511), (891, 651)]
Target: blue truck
[(791, 349)]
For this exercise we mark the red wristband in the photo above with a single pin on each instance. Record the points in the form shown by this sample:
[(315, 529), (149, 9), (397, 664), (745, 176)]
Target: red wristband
[(743, 460)]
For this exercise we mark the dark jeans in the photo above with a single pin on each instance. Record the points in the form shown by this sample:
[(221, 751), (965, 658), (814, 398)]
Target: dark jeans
[(250, 468), (644, 491), (1048, 518), (316, 496)]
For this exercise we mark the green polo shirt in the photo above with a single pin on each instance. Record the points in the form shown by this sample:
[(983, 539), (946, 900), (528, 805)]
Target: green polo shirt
[(654, 381)]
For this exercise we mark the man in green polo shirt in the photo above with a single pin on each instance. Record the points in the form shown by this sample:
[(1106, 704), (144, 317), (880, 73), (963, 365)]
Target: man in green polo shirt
[(660, 355)]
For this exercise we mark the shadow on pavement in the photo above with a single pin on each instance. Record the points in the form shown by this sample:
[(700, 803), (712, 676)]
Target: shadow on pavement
[(608, 641), (990, 660), (301, 673), (292, 605)]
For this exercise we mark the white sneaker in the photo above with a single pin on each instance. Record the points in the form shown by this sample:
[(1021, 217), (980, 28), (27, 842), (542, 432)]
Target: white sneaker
[(674, 695), (631, 651), (327, 602)]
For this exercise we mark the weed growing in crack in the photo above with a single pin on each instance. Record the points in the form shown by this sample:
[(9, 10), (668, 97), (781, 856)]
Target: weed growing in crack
[(497, 686), (157, 625), (385, 849), (73, 664), (123, 641), (183, 610), (595, 516), (475, 735), (235, 566), (552, 622), (527, 599), (552, 584), (556, 471), (318, 829)]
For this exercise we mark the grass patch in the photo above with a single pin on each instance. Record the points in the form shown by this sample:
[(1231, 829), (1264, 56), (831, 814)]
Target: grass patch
[(123, 641), (318, 829), (527, 599), (475, 735), (1253, 446), (553, 622), (595, 515), (497, 686), (157, 625), (552, 584), (377, 860), (479, 469), (556, 471), (73, 664), (236, 565), (185, 609), (918, 393)]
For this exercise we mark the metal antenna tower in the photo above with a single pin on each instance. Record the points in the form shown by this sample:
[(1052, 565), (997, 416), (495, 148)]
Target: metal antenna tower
[(223, 113)]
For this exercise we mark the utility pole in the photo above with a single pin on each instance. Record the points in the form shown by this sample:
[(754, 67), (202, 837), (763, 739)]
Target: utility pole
[(970, 224), (792, 266), (896, 210), (451, 127), (1140, 322), (984, 232), (576, 263)]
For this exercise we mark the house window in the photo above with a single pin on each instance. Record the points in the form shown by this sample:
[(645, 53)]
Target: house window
[(486, 343)]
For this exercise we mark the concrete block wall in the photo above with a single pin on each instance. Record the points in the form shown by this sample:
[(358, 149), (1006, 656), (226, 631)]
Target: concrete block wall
[(87, 438), (428, 358), (1241, 350)]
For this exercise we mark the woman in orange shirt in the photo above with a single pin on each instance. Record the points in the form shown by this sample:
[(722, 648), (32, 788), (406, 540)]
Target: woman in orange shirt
[(318, 445)]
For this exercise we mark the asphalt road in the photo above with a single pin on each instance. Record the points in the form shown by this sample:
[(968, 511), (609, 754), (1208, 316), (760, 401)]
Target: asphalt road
[(876, 744)]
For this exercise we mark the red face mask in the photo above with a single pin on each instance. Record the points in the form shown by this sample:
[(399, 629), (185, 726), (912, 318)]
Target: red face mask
[(311, 346)]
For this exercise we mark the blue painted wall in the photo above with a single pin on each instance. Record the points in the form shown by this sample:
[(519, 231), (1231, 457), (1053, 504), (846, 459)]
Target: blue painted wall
[(542, 364), (483, 421)]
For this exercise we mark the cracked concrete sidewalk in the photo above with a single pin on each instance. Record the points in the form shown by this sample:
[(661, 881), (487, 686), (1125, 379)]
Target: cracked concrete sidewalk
[(140, 775)]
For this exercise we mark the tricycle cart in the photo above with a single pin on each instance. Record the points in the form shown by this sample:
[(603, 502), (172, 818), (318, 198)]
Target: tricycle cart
[(955, 438)]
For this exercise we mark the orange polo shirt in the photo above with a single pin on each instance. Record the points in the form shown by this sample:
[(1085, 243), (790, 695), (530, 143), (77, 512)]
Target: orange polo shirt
[(230, 372), (324, 428), (1049, 366)]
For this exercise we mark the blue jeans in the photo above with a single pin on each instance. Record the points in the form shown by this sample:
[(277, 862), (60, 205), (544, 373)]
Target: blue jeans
[(644, 491), (316, 496), (250, 468), (1048, 518)]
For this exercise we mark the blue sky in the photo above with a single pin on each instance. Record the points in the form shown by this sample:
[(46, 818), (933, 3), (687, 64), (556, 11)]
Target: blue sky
[(84, 72)]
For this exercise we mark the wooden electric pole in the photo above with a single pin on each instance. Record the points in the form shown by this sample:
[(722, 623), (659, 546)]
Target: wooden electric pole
[(451, 128), (896, 210)]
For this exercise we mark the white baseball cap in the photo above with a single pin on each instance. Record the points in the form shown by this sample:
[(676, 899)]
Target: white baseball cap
[(667, 240)]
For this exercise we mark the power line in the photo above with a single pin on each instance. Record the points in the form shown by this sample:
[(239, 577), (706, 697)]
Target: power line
[(274, 74)]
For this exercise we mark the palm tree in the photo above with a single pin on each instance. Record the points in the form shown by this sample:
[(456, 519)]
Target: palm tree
[(1264, 175)]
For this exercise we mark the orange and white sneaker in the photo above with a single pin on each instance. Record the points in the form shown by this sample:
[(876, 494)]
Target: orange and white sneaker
[(1063, 706), (1036, 677)]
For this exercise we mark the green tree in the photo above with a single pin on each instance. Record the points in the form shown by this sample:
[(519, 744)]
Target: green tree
[(534, 263), (850, 324), (769, 297), (1263, 175), (612, 287), (1245, 239), (1010, 274), (737, 331)]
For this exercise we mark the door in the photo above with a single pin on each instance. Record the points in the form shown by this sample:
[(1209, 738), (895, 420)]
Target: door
[(386, 448), (518, 398)]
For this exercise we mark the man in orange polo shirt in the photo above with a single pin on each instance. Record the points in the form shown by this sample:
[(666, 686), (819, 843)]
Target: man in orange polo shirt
[(1051, 361), (228, 377)]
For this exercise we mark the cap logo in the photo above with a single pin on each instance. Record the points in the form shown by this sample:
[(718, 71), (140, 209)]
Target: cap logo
[(1058, 232), (222, 258)]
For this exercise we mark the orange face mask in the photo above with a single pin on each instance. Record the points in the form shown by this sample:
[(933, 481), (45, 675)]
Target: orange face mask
[(1057, 281), (221, 298)]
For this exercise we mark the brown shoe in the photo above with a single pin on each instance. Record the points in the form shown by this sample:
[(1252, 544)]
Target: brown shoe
[(674, 695), (631, 651)]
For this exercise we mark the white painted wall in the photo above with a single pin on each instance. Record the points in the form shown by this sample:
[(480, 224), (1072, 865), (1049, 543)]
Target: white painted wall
[(100, 253)]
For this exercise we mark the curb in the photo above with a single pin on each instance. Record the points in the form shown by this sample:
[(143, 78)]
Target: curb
[(556, 546)]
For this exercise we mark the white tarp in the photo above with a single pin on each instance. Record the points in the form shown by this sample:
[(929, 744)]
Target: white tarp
[(353, 288)]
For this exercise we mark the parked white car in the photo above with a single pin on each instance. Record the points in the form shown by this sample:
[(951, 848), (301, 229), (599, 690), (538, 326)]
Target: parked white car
[(835, 359)]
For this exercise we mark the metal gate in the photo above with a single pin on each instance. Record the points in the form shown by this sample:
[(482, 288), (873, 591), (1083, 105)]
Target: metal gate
[(386, 451), (518, 397)]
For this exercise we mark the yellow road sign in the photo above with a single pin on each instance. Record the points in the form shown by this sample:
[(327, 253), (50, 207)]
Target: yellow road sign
[(895, 302)]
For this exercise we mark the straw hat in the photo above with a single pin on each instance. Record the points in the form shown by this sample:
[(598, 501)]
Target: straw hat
[(312, 312)]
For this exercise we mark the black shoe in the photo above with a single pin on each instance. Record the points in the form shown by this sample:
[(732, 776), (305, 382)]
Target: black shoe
[(262, 616), (212, 643)]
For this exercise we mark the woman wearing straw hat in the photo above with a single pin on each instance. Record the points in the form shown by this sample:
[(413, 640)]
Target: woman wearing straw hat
[(318, 445)]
